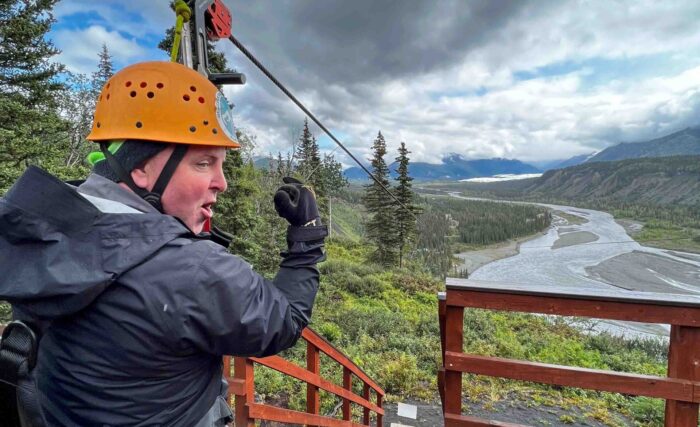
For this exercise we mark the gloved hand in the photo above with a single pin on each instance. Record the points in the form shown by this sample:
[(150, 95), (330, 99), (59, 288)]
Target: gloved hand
[(297, 203)]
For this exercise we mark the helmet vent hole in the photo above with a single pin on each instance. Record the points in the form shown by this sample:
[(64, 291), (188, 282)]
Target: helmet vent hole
[(98, 124), (150, 94), (214, 131), (193, 129), (107, 87), (107, 96), (132, 94), (206, 122), (193, 89), (201, 100), (127, 84), (186, 97), (143, 84), (159, 85), (139, 125)]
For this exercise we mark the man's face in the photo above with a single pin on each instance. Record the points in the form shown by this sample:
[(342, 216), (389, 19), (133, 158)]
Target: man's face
[(193, 188)]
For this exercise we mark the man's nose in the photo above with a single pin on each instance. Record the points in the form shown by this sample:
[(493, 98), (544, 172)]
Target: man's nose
[(219, 183)]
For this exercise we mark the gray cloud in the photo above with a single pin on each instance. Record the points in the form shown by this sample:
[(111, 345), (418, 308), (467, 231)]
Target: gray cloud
[(443, 76)]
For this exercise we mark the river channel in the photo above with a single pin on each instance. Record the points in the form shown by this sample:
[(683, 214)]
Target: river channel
[(597, 253)]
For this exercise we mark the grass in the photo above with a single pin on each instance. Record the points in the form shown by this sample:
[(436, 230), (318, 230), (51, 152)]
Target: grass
[(665, 235)]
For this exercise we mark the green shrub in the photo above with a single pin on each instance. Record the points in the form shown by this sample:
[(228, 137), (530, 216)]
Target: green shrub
[(649, 412), (358, 285), (399, 373), (330, 331)]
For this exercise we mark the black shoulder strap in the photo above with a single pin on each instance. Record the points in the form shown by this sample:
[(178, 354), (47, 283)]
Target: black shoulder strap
[(18, 350)]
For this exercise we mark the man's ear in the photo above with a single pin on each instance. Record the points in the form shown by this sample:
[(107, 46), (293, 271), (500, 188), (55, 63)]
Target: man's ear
[(140, 176)]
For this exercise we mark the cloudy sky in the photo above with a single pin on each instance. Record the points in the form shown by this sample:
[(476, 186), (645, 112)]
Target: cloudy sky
[(534, 81)]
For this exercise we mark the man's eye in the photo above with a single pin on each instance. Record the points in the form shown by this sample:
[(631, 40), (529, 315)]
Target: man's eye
[(203, 164)]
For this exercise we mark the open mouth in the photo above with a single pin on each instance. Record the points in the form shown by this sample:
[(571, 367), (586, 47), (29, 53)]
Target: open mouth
[(207, 209)]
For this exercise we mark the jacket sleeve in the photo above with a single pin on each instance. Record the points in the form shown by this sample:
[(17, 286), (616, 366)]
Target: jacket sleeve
[(230, 309)]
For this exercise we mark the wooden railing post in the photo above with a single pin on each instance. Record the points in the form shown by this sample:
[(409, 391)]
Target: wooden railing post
[(441, 370), (313, 365), (683, 362), (454, 328), (365, 411), (243, 370), (380, 417), (347, 385)]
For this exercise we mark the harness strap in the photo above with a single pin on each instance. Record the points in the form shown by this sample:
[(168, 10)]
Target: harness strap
[(18, 350)]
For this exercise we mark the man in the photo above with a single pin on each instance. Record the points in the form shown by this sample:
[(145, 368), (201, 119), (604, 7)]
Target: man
[(135, 304)]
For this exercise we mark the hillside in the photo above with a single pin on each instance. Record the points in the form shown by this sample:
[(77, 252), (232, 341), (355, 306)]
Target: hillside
[(455, 167), (663, 181), (684, 142)]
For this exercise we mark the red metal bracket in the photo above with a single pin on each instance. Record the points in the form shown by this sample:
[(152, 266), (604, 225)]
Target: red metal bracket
[(220, 18)]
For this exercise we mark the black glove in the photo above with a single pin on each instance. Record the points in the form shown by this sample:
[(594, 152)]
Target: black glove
[(297, 203)]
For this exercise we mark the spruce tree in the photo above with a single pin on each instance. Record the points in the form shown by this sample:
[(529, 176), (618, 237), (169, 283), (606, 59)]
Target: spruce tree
[(331, 174), (105, 70), (30, 129), (308, 161), (381, 226), (406, 215)]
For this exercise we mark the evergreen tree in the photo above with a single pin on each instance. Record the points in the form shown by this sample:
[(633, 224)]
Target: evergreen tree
[(406, 215), (105, 70), (308, 160), (30, 129), (331, 173), (381, 225)]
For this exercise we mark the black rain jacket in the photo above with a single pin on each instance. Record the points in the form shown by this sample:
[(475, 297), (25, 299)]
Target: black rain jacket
[(135, 310)]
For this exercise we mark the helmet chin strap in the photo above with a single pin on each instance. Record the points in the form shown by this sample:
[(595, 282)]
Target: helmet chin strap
[(155, 195)]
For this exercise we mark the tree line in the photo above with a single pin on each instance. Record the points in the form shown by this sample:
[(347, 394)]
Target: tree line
[(449, 225)]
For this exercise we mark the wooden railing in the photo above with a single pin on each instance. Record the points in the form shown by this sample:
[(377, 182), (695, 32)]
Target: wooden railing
[(681, 388), (242, 385)]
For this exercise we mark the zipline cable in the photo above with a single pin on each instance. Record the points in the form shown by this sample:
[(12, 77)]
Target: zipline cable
[(306, 111)]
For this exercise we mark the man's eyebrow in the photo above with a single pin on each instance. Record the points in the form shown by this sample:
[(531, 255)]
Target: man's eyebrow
[(205, 157)]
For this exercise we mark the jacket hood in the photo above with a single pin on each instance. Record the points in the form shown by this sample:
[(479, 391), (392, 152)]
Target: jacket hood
[(58, 251)]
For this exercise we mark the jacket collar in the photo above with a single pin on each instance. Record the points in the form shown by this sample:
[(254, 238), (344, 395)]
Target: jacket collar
[(99, 186)]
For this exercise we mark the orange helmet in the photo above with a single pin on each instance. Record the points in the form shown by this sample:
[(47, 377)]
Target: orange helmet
[(165, 102)]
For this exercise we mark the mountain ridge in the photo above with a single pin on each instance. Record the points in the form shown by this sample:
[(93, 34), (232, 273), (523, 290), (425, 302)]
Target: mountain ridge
[(454, 166)]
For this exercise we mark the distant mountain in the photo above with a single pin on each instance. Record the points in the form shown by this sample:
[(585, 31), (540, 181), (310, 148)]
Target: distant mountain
[(454, 167), (681, 143), (662, 180), (573, 161)]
